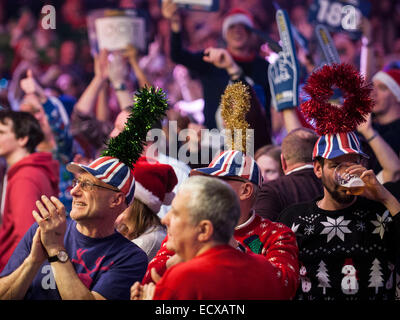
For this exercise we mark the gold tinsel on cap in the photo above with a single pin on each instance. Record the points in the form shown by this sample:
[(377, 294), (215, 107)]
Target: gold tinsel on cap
[(235, 103)]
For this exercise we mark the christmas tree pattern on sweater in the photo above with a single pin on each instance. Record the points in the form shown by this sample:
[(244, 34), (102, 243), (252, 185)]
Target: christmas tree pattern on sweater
[(346, 254)]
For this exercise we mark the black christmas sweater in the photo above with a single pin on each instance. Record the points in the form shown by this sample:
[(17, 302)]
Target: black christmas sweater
[(348, 254)]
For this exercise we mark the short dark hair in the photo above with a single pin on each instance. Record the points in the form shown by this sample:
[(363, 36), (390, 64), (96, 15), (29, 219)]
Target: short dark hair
[(298, 145), (24, 124), (320, 160)]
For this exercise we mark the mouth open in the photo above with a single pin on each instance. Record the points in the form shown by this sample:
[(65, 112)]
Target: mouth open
[(79, 204)]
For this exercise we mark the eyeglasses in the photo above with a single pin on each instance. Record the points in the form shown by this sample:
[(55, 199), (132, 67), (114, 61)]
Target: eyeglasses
[(88, 186)]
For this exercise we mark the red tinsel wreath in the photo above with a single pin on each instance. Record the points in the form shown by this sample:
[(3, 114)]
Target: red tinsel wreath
[(330, 118)]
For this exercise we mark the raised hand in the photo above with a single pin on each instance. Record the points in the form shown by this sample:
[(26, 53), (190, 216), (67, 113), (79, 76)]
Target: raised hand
[(283, 74), (52, 223), (142, 292), (38, 253), (117, 69), (30, 86), (222, 59), (170, 11), (101, 65)]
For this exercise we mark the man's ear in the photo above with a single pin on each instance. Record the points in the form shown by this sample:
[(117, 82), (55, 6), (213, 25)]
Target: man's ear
[(205, 230), (283, 163), (117, 199), (246, 190), (23, 141), (318, 169)]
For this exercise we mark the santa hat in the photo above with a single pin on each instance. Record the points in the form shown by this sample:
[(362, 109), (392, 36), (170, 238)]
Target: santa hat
[(391, 78), (235, 16), (154, 183)]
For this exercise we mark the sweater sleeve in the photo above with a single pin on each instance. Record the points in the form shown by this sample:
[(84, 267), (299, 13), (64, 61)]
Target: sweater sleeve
[(280, 248), (60, 129), (159, 262)]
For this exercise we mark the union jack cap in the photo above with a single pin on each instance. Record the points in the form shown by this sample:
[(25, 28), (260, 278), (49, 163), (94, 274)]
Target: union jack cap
[(111, 171), (232, 164), (331, 146)]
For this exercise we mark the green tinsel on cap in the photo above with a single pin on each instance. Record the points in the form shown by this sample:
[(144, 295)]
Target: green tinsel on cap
[(149, 106)]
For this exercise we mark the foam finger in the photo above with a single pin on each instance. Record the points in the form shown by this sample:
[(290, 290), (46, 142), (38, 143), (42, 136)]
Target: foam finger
[(285, 33)]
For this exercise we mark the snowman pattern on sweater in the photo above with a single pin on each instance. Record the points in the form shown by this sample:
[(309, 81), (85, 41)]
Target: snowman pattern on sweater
[(346, 254)]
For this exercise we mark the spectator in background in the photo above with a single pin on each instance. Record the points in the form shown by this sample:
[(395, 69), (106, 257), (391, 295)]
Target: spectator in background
[(139, 222), (68, 59), (54, 121), (268, 159), (347, 49), (299, 182), (215, 67), (29, 175), (385, 116)]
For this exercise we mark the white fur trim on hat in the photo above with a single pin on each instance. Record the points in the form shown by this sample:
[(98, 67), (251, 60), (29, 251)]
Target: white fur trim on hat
[(148, 198), (169, 196), (235, 19), (389, 82)]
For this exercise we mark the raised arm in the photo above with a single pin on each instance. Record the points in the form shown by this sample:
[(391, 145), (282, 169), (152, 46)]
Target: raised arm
[(15, 285), (52, 224), (132, 55), (367, 63), (88, 99), (170, 11), (385, 155)]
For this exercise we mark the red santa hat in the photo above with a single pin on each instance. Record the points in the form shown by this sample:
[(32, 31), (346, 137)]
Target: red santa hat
[(235, 16), (154, 183), (391, 78)]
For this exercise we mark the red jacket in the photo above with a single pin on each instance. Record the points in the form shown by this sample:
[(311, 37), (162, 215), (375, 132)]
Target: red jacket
[(27, 180), (221, 272), (273, 240)]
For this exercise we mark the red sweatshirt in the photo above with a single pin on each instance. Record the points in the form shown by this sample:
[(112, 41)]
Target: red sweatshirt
[(27, 180), (273, 240), (221, 272)]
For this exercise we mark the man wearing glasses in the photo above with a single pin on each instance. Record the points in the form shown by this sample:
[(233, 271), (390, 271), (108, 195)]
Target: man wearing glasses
[(84, 258)]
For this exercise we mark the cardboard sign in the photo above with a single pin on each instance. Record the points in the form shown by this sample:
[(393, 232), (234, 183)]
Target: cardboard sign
[(340, 15), (115, 29), (198, 5), (326, 44)]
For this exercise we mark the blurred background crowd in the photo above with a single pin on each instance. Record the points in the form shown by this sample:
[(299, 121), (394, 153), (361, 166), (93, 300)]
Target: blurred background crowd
[(62, 65), (61, 58)]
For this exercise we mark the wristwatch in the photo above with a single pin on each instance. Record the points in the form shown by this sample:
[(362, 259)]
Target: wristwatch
[(119, 87), (61, 256)]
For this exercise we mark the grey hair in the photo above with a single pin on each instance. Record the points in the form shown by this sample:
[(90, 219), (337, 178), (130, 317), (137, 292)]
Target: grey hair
[(214, 200)]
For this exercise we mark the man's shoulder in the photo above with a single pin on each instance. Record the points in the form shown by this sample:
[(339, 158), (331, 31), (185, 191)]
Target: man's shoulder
[(293, 178), (295, 210), (128, 248)]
